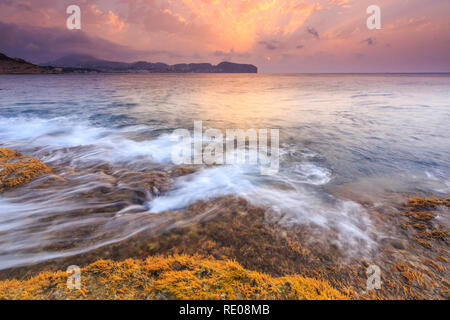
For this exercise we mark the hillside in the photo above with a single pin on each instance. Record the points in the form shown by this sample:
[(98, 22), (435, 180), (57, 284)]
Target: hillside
[(18, 66), (89, 62)]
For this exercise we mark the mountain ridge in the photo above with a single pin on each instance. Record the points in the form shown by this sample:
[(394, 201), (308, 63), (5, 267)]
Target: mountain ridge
[(83, 61)]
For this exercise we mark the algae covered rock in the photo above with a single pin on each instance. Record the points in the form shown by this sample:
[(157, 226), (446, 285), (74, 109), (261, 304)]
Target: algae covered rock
[(172, 277), (16, 170)]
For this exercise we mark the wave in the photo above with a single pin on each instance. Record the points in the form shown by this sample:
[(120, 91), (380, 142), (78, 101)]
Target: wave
[(288, 202), (96, 201), (51, 136)]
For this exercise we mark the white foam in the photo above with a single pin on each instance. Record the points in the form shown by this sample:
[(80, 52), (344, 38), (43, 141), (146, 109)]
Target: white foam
[(292, 192), (108, 144), (298, 203), (204, 184), (311, 174)]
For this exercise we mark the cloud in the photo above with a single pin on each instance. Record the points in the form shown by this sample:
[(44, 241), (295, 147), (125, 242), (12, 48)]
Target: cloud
[(339, 2), (231, 54), (313, 32), (40, 44), (270, 45), (369, 41), (190, 30), (15, 4), (219, 53)]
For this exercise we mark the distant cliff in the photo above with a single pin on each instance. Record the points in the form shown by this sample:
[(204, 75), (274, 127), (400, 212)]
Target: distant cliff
[(18, 66), (88, 62)]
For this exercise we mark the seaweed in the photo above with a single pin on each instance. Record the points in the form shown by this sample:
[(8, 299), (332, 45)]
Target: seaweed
[(172, 277), (17, 170)]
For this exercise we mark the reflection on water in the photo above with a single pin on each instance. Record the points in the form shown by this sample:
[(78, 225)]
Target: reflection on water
[(105, 133)]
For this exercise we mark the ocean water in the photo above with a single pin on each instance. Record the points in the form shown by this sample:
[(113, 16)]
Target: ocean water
[(343, 138)]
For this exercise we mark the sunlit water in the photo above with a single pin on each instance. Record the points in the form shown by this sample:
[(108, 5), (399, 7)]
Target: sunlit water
[(361, 133)]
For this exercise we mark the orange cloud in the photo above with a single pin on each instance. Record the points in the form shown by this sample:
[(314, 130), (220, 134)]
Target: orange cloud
[(253, 30)]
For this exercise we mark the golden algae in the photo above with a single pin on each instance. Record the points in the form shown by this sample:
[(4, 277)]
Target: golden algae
[(439, 234), (424, 221), (16, 170), (8, 154), (172, 277), (419, 202)]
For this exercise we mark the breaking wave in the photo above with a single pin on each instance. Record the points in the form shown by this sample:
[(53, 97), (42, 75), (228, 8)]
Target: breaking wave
[(52, 217)]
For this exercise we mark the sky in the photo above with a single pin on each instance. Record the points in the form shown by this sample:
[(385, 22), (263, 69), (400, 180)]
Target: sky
[(277, 36)]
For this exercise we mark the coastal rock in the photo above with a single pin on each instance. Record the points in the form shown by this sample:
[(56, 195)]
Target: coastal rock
[(182, 171), (154, 182), (228, 67), (173, 277), (19, 66), (16, 170)]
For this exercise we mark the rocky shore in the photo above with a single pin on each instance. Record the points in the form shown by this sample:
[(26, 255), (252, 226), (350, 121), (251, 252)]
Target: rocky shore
[(18, 66), (172, 277), (226, 248), (17, 170)]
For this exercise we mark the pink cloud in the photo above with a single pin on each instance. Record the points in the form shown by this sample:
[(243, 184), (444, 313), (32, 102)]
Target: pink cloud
[(414, 34)]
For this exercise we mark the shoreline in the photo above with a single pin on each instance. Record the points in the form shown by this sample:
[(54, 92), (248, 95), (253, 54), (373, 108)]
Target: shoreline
[(413, 264)]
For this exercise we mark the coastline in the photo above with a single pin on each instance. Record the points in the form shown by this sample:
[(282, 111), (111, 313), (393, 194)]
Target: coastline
[(413, 265)]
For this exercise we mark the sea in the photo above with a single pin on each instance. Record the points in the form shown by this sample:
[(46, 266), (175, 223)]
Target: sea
[(348, 143)]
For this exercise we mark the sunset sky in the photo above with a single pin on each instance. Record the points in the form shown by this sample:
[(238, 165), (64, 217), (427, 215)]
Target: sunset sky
[(275, 35)]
